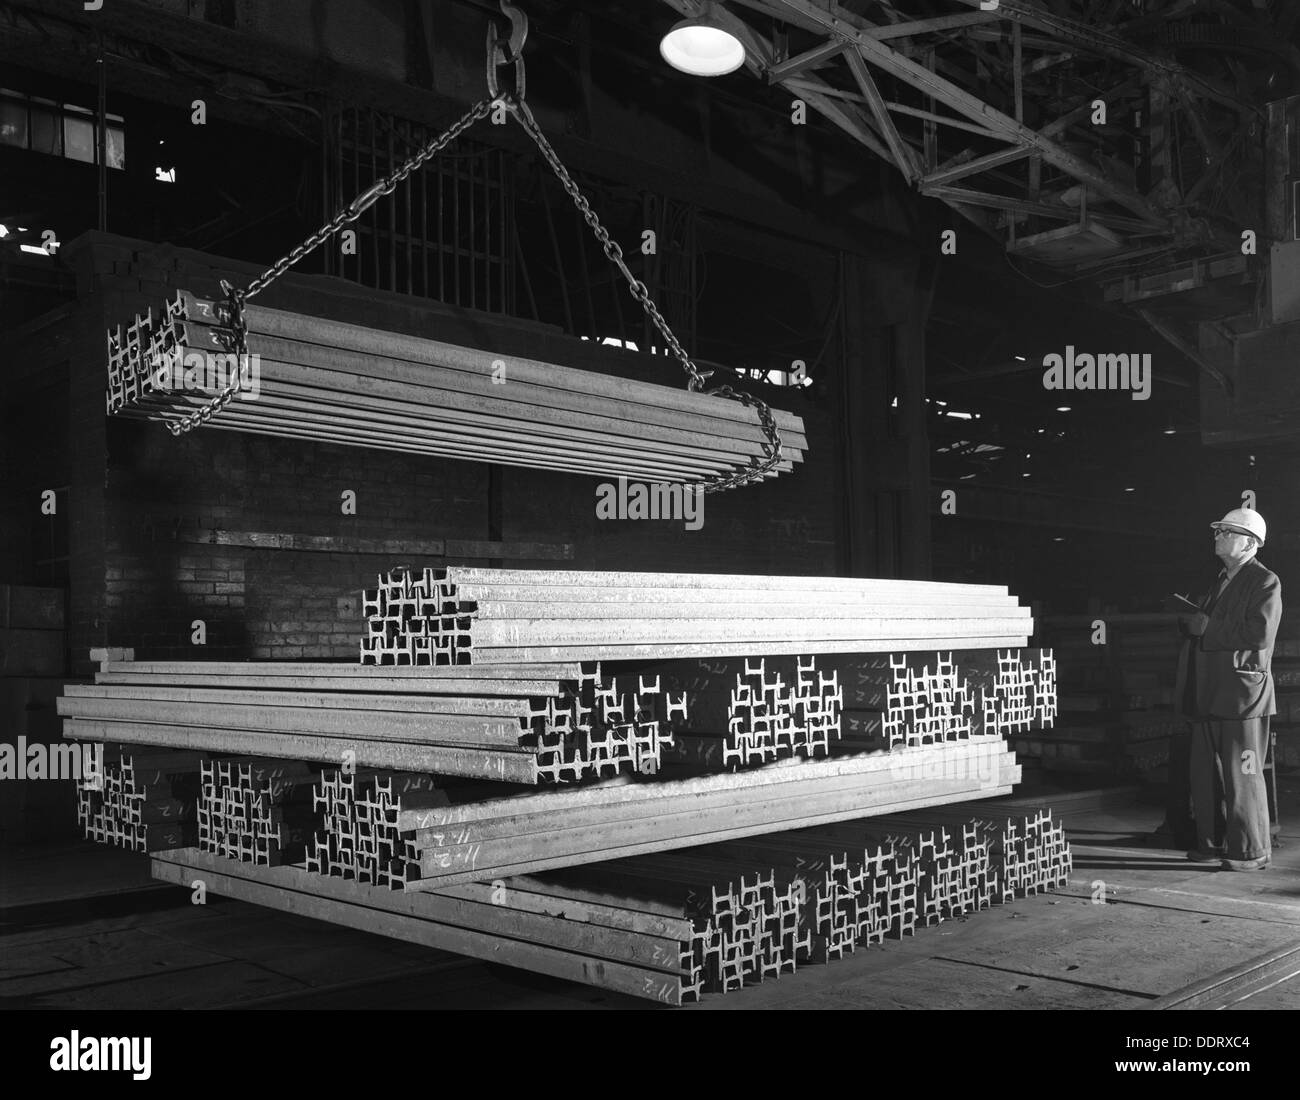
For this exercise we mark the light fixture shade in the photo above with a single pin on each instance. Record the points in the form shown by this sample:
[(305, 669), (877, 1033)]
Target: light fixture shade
[(702, 47)]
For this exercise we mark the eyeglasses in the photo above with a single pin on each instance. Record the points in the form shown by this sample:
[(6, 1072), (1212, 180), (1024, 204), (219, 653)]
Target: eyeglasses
[(1223, 533)]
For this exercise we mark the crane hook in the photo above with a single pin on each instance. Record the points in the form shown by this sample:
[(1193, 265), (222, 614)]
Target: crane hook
[(502, 51)]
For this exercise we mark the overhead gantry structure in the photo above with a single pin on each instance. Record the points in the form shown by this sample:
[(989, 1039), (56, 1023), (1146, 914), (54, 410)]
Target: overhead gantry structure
[(1112, 139)]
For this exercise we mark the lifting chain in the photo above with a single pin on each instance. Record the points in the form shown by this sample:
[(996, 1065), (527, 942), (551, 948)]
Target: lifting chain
[(231, 311), (758, 467)]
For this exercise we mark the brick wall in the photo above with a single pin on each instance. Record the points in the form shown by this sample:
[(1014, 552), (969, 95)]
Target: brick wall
[(167, 495)]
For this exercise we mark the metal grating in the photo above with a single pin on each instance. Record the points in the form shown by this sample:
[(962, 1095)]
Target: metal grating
[(447, 232)]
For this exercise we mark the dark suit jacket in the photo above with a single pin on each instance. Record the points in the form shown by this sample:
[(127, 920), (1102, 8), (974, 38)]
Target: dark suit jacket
[(1225, 673)]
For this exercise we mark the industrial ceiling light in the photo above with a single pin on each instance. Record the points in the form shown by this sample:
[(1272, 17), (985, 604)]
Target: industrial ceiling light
[(702, 46)]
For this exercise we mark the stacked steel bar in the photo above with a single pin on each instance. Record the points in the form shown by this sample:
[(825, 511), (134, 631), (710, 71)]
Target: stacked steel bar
[(874, 687), (1017, 691), (851, 891), (1028, 851), (749, 712), (846, 896), (566, 827), (541, 723), (346, 384), (605, 726), (618, 949), (762, 906), (486, 616), (927, 705), (358, 838), (408, 622), (765, 905), (1030, 855), (258, 811), (676, 927), (930, 698), (956, 875), (139, 801)]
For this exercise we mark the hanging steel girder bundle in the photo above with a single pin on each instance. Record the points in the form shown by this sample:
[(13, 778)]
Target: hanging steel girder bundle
[(466, 616), (313, 378)]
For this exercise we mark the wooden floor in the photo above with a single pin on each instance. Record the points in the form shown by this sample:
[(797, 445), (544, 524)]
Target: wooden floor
[(82, 926)]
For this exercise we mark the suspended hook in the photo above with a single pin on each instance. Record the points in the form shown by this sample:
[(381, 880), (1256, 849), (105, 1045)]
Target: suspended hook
[(502, 51)]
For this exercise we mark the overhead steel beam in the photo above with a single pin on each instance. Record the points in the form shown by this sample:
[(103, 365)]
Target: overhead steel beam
[(979, 164), (797, 84), (904, 156), (1041, 63), (853, 122), (809, 59), (1025, 206), (918, 52), (834, 20), (1103, 42), (1159, 325), (942, 120), (1065, 121), (929, 26)]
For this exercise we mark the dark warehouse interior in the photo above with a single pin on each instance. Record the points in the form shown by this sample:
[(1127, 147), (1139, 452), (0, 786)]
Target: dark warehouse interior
[(904, 232)]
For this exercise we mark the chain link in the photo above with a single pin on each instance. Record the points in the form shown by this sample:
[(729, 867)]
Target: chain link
[(233, 307), (758, 468)]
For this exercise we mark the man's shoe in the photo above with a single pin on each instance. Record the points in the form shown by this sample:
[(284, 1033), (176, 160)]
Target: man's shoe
[(1247, 864), (1200, 855)]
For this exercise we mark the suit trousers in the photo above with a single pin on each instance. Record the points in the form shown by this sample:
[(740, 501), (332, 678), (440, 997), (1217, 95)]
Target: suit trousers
[(1233, 752)]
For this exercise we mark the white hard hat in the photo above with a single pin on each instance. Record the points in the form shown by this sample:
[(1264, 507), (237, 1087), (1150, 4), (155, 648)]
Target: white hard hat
[(1245, 520)]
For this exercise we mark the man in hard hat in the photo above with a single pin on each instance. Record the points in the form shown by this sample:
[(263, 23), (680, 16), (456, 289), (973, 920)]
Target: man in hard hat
[(1225, 687)]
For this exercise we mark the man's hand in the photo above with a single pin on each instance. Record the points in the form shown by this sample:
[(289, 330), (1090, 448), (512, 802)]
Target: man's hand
[(1194, 624)]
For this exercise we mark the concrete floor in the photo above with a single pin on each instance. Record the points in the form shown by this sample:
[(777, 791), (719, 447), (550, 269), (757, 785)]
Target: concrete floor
[(82, 926)]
